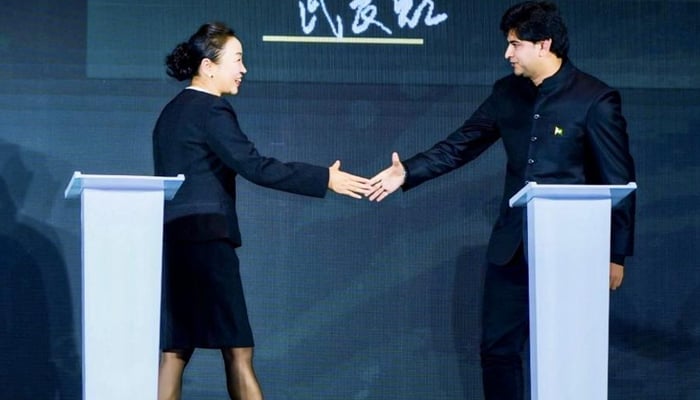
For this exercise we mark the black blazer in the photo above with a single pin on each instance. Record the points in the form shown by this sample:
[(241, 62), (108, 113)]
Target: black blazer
[(569, 130), (197, 134)]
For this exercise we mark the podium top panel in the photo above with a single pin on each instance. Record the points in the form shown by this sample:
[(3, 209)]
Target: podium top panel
[(581, 192), (79, 182)]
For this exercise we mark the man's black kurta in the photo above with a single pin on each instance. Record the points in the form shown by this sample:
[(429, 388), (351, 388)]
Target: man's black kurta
[(568, 130)]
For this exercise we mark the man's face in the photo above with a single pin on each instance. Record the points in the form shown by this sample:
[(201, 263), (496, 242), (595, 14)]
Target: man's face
[(523, 56)]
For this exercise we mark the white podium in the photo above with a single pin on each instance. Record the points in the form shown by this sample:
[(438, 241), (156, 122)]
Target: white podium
[(568, 233), (122, 230)]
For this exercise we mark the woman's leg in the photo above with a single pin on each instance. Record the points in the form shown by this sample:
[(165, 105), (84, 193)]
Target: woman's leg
[(172, 366), (241, 382)]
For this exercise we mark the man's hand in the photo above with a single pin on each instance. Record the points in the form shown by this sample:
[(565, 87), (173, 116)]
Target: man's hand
[(617, 272), (387, 181)]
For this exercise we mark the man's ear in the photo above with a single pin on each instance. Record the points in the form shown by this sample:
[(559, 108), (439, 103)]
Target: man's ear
[(545, 46)]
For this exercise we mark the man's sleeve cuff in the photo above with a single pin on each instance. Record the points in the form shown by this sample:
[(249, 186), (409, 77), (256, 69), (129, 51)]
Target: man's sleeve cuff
[(617, 259)]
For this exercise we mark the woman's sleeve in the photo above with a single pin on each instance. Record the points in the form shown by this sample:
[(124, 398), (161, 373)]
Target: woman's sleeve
[(237, 152)]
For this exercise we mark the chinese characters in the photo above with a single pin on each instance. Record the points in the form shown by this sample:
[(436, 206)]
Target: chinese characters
[(365, 16)]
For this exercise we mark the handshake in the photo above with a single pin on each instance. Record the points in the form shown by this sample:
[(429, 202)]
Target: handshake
[(376, 189)]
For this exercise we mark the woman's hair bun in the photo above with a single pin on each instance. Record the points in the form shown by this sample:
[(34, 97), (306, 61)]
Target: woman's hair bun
[(180, 62)]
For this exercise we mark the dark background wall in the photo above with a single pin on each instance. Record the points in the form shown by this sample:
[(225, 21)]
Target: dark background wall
[(348, 299)]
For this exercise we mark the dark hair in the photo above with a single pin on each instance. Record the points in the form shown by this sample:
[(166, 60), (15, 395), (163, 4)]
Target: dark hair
[(535, 21), (183, 62)]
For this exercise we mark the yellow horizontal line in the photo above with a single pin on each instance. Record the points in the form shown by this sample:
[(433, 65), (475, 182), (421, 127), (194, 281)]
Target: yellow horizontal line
[(333, 39)]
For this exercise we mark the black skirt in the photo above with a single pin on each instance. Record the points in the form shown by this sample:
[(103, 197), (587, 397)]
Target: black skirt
[(202, 297)]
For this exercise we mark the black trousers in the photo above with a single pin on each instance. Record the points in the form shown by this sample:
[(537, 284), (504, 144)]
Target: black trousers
[(505, 329)]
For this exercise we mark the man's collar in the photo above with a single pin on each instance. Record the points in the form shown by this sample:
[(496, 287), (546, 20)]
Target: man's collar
[(554, 81)]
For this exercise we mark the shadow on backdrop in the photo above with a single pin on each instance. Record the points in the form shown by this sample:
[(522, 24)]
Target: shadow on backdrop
[(37, 338)]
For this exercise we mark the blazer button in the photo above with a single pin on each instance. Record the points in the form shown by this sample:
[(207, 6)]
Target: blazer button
[(530, 161), (533, 139), (536, 116)]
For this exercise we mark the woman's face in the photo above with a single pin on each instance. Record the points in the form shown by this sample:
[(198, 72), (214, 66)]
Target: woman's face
[(228, 71)]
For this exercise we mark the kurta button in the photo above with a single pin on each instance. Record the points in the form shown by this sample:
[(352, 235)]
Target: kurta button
[(530, 161), (536, 116)]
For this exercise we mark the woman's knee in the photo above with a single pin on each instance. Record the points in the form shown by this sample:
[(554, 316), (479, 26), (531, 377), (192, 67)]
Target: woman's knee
[(242, 356), (181, 356)]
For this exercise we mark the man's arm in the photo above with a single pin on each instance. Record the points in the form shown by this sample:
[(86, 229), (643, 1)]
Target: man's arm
[(610, 148)]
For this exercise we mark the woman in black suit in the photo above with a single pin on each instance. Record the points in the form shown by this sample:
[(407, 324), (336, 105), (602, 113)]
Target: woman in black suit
[(197, 134)]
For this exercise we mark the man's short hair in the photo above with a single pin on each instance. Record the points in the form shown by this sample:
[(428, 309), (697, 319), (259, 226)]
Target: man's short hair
[(535, 21)]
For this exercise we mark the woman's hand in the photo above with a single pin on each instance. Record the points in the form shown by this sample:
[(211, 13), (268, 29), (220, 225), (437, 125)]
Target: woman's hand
[(347, 184)]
